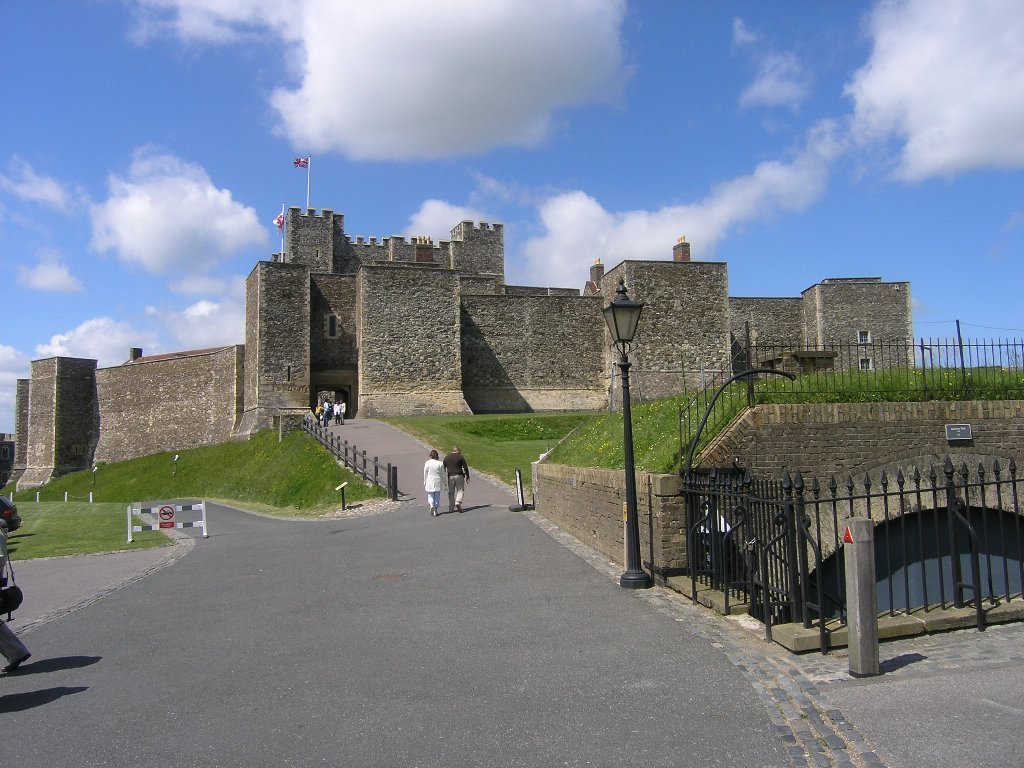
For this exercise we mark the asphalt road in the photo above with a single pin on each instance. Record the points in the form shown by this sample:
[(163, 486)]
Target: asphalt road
[(388, 640)]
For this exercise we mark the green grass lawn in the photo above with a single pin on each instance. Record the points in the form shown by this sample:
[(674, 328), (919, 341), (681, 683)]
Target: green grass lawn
[(294, 477), (52, 529), (496, 444)]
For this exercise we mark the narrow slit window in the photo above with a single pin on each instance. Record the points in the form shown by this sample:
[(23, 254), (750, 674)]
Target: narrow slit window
[(332, 326)]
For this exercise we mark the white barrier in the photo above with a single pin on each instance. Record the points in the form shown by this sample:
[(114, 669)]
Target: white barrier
[(165, 518)]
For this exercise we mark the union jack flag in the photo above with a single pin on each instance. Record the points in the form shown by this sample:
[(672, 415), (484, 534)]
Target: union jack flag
[(301, 162)]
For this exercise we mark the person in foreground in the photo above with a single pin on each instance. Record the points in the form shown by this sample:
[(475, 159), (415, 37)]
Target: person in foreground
[(10, 646), (458, 476), (433, 482)]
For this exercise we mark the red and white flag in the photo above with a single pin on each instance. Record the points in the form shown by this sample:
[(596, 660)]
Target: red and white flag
[(279, 220), (301, 162)]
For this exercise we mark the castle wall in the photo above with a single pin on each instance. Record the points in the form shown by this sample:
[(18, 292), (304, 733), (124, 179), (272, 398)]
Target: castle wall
[(684, 327), (530, 290), (772, 320), (409, 341), (532, 353), (277, 338), (168, 404), (21, 411), (480, 286), (63, 424)]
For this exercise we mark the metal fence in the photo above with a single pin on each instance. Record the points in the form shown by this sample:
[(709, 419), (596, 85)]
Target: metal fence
[(945, 538), (891, 371), (371, 469)]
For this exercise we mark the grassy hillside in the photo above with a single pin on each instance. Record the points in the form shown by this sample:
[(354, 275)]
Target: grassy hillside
[(296, 476)]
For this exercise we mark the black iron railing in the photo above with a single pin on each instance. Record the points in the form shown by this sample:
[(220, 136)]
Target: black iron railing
[(371, 469), (945, 537), (891, 371)]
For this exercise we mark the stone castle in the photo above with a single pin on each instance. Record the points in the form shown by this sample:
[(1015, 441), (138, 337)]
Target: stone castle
[(404, 327)]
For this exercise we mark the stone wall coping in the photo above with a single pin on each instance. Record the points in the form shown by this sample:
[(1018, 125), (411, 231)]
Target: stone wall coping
[(661, 485)]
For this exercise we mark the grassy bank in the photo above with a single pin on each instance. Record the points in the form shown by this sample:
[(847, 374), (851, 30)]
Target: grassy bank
[(295, 476)]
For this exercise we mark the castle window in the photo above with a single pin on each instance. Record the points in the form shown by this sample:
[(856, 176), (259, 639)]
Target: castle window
[(863, 337), (332, 326), (866, 364), (288, 374)]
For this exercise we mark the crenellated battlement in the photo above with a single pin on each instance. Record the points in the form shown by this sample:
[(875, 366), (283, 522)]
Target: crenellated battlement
[(328, 214), (468, 229)]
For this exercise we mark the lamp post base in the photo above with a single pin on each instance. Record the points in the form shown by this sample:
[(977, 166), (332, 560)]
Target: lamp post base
[(635, 580)]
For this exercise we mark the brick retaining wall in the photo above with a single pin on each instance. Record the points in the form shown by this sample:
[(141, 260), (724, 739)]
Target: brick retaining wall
[(843, 439), (588, 503)]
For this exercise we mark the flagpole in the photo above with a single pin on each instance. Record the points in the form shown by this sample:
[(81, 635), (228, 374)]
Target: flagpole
[(309, 170), (283, 222)]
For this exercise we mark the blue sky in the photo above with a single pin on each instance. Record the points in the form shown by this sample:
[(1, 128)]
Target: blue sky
[(147, 145)]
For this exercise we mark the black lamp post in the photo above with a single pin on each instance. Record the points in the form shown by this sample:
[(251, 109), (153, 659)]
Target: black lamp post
[(622, 316)]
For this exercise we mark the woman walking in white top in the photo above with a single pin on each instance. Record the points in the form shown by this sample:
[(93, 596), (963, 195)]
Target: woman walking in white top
[(433, 481)]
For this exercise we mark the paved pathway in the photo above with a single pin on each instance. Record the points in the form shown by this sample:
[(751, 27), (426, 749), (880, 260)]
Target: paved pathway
[(490, 638), (394, 446)]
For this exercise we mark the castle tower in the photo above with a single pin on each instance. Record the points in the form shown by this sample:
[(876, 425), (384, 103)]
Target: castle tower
[(313, 239), (277, 339), (479, 249), (63, 426)]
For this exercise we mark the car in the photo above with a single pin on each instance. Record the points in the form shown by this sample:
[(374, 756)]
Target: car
[(9, 514)]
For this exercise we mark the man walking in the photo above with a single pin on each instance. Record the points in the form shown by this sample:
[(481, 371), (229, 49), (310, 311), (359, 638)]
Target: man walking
[(458, 476), (10, 646)]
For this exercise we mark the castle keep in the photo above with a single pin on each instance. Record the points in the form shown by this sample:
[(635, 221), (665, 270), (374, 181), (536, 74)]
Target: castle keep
[(403, 327)]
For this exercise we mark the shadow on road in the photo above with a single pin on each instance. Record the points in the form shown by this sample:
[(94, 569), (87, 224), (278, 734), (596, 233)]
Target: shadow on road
[(17, 702)]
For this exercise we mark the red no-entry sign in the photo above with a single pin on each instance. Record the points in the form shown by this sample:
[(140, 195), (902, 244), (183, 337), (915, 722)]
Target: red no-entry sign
[(166, 515)]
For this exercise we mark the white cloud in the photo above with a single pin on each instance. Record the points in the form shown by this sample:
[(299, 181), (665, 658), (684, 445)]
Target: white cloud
[(206, 323), (946, 78), (218, 21), (26, 184), (742, 35), (407, 79), (199, 285), (215, 321), (437, 218), (14, 365), (168, 215), (780, 82), (578, 228), (49, 274), (101, 338)]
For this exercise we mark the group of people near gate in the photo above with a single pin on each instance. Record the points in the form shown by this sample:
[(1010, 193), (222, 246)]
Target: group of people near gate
[(328, 410), (451, 474)]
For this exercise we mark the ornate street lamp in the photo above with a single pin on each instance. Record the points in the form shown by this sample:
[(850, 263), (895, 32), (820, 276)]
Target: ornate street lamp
[(622, 317)]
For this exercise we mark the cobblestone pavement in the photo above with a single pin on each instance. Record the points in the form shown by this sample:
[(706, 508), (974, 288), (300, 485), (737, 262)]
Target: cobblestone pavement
[(793, 687)]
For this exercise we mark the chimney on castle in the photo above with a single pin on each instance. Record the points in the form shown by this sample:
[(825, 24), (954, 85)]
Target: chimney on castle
[(134, 353), (596, 272), (681, 250)]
